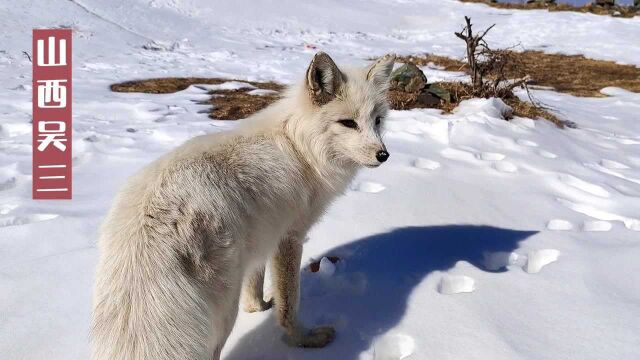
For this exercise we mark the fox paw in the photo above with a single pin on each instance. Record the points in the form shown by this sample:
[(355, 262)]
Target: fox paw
[(314, 338), (257, 306)]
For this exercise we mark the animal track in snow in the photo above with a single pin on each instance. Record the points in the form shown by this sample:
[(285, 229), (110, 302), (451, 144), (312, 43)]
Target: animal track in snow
[(491, 156), (625, 189), (634, 160), (368, 187), (596, 225), (559, 225), (457, 154), (25, 219), (547, 154), (580, 184), (7, 183), (627, 141), (393, 347), (610, 164), (608, 171), (8, 176), (454, 284), (422, 163), (528, 143), (7, 208), (494, 261), (505, 166), (538, 259), (629, 223)]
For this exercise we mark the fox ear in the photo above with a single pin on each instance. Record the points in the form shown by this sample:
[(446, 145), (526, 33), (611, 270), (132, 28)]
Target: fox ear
[(379, 71), (324, 79)]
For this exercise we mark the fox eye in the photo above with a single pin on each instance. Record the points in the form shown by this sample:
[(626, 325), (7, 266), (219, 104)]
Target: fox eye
[(378, 120), (348, 123)]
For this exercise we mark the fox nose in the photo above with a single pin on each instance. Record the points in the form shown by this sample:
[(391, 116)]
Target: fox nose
[(382, 155)]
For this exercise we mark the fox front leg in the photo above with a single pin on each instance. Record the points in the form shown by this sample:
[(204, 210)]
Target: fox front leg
[(252, 293), (286, 274)]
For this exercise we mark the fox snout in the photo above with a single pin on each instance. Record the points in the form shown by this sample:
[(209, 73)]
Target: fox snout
[(382, 155)]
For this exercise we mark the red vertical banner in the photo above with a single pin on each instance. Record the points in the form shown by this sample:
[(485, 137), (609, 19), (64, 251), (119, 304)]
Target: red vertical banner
[(52, 114)]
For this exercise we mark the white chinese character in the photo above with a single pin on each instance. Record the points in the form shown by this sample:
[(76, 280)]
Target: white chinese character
[(53, 91), (51, 135), (51, 51)]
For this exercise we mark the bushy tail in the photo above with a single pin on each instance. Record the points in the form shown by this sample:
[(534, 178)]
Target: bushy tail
[(146, 308)]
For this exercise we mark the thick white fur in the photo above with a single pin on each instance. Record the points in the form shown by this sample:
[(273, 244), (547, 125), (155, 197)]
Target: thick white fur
[(184, 233)]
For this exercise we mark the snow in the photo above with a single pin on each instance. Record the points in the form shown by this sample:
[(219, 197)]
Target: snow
[(450, 250), (538, 259), (327, 268)]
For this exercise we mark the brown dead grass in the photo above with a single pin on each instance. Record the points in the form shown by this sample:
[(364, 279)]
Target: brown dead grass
[(174, 84), (238, 104), (226, 104), (462, 91), (577, 75), (447, 63), (162, 85), (572, 74), (625, 11)]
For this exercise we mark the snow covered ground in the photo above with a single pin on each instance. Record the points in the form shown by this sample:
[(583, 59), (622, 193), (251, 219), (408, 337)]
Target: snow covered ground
[(479, 239)]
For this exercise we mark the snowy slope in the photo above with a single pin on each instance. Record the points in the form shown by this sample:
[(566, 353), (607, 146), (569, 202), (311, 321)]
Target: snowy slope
[(423, 240)]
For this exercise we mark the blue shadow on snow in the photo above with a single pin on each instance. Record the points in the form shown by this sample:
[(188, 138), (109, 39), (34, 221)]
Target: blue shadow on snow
[(368, 293)]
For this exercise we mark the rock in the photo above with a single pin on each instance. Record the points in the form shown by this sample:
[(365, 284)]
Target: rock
[(409, 89), (408, 78), (439, 92), (427, 99)]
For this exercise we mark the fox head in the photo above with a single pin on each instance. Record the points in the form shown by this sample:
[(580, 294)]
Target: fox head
[(346, 111)]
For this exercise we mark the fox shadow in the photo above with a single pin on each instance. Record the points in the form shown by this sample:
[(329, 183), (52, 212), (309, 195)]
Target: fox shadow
[(368, 292)]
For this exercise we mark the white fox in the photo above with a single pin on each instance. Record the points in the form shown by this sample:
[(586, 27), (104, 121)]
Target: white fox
[(190, 229)]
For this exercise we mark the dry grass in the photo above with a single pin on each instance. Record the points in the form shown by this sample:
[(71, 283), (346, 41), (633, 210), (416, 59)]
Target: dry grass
[(237, 104), (174, 84), (572, 74), (577, 75), (447, 63), (462, 91), (226, 104), (624, 11), (162, 85)]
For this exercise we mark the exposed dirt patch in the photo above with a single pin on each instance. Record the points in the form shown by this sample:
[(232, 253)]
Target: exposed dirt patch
[(619, 11), (226, 104), (572, 74)]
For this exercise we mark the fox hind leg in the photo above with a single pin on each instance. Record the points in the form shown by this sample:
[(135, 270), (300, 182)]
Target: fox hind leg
[(253, 292)]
